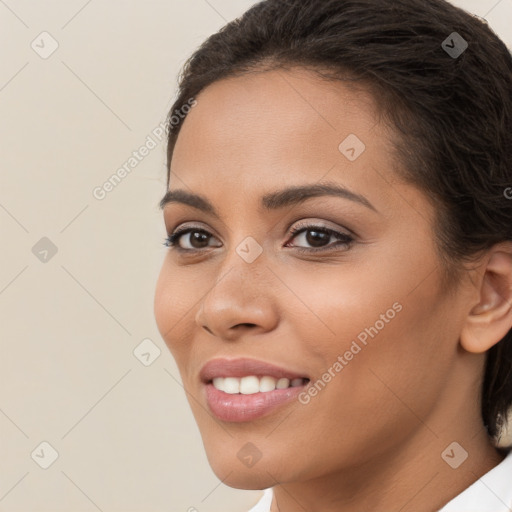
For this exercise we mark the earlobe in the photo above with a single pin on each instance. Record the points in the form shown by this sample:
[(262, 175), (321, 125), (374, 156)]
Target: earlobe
[(491, 318)]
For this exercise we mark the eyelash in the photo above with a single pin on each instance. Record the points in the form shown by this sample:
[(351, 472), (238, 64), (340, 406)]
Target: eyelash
[(172, 241)]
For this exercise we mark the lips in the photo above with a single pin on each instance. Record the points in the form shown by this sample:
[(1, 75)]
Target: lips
[(248, 404), (243, 367)]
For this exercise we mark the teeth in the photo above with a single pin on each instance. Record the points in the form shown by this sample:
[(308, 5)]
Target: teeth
[(267, 384), (252, 384), (283, 383), (231, 385), (249, 385)]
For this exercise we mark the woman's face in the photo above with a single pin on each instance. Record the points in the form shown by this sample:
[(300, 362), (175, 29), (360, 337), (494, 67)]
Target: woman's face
[(366, 322)]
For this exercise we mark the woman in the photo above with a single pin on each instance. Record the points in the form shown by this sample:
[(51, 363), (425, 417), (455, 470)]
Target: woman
[(338, 288)]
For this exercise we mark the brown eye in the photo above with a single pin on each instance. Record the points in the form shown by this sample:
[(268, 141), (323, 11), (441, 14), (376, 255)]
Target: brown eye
[(198, 240), (319, 236)]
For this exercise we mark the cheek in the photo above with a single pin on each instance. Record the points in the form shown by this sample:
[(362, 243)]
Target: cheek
[(173, 306), (391, 340), (334, 305)]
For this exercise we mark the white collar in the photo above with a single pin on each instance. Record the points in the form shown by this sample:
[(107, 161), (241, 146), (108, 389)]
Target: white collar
[(490, 493)]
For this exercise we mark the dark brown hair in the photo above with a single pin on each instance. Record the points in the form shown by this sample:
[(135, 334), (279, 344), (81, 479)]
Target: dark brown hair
[(451, 113)]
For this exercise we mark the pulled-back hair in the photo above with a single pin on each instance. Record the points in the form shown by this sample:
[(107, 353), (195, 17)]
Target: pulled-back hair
[(451, 113)]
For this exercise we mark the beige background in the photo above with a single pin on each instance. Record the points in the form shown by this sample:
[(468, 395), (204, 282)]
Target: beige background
[(125, 437)]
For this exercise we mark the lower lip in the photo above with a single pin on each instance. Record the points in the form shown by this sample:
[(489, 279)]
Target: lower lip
[(239, 408)]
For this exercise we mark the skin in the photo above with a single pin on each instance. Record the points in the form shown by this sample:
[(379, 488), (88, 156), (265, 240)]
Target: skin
[(372, 438)]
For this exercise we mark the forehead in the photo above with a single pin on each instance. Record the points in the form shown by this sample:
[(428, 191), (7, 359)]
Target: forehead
[(267, 129), (284, 105)]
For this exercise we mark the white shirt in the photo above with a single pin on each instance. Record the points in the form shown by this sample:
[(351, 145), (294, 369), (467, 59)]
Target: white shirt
[(491, 493)]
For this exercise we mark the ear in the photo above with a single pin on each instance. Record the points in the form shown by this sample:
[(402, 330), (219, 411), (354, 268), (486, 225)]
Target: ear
[(490, 318)]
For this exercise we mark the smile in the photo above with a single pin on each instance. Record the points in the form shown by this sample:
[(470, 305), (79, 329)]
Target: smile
[(252, 384)]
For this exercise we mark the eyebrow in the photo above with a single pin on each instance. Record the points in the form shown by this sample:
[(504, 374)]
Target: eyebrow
[(272, 201)]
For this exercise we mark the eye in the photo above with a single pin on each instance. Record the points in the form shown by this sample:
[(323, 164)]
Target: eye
[(318, 236), (198, 241)]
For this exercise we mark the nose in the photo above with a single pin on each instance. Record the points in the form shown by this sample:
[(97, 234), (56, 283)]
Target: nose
[(240, 300)]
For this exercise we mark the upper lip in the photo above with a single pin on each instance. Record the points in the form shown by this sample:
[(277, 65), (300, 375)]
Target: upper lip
[(242, 367)]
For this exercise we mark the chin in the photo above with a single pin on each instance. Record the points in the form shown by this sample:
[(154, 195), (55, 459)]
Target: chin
[(244, 458), (229, 467), (250, 479)]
